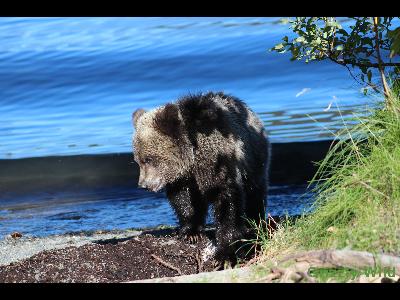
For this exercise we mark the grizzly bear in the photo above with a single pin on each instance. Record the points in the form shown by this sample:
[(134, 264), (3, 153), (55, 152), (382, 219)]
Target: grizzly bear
[(206, 148)]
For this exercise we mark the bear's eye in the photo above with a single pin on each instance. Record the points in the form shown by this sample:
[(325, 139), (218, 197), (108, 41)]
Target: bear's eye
[(147, 160)]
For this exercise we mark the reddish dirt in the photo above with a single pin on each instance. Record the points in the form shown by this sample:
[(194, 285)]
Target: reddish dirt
[(142, 257)]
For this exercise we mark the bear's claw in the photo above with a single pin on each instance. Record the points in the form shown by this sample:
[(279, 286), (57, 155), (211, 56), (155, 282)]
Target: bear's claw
[(192, 238)]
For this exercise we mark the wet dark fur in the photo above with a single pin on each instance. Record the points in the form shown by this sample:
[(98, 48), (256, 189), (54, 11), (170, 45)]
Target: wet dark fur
[(235, 186)]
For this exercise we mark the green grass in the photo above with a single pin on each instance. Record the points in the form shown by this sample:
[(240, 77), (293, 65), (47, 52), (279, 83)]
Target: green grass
[(357, 192)]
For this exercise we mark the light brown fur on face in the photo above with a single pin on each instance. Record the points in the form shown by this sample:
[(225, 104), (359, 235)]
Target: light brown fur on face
[(158, 156), (150, 178)]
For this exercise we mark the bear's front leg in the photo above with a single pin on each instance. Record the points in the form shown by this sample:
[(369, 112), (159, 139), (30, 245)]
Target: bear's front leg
[(230, 223), (190, 209)]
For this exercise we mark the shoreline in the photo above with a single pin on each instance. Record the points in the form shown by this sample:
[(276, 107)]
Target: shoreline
[(17, 249), (114, 256), (291, 163), (35, 260)]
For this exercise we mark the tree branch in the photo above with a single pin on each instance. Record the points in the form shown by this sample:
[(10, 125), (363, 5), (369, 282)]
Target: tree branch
[(381, 66), (345, 61)]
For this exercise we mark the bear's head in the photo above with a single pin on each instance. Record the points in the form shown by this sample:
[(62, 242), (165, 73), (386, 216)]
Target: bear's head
[(159, 147)]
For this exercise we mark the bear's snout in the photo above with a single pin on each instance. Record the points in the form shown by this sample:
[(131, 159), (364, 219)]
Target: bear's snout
[(142, 181), (153, 184), (142, 184)]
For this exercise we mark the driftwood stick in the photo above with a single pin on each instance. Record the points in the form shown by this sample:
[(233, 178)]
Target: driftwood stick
[(345, 258), (168, 265), (269, 278), (252, 261)]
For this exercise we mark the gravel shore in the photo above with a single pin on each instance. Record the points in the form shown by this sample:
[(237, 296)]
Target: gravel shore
[(17, 249), (117, 256)]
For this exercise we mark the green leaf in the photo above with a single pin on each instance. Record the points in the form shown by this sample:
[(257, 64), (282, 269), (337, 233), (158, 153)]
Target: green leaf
[(394, 33), (369, 75), (395, 36), (343, 32), (339, 47), (369, 41), (284, 21)]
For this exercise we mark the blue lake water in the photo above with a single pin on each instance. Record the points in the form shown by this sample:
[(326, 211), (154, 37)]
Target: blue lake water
[(111, 209), (69, 85)]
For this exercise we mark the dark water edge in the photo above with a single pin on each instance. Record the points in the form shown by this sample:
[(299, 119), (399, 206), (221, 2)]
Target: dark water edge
[(291, 163), (110, 209), (60, 194)]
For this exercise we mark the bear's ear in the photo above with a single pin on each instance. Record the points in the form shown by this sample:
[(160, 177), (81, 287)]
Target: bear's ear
[(167, 121), (136, 115)]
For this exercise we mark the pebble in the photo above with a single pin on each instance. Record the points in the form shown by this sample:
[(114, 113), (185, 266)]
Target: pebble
[(16, 235)]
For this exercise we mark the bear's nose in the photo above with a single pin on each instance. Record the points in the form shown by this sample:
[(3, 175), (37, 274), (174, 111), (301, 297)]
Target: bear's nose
[(142, 184)]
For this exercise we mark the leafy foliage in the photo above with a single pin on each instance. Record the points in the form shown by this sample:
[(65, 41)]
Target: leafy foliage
[(360, 45), (395, 36)]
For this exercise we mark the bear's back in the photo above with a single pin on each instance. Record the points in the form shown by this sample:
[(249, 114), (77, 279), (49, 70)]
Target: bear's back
[(241, 114), (218, 124), (219, 111)]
